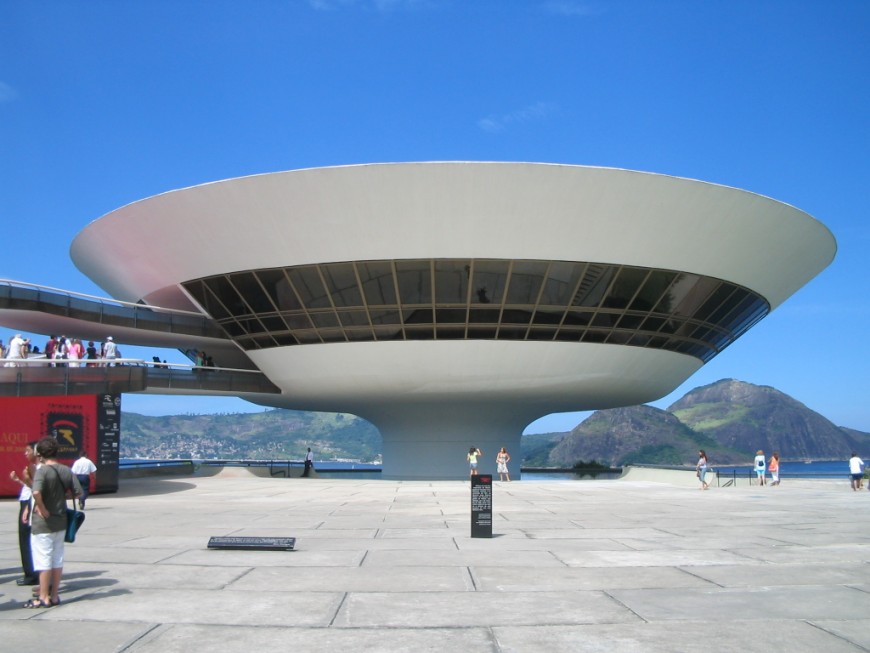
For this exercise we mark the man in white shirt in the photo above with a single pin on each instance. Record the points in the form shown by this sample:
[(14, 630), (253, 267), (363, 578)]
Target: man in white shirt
[(16, 350), (856, 469), (110, 349), (82, 469)]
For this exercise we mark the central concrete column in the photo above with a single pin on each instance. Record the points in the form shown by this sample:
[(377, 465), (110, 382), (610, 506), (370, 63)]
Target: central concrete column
[(431, 442)]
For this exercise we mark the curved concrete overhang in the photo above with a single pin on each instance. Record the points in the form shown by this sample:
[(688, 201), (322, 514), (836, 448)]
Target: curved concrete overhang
[(529, 379), (452, 209)]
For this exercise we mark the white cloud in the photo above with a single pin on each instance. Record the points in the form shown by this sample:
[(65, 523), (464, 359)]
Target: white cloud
[(533, 113), (7, 93)]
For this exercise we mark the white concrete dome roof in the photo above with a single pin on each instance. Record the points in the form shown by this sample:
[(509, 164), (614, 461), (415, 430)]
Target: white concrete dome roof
[(453, 209)]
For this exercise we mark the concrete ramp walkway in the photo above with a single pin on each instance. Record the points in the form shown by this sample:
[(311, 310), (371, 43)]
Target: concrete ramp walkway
[(678, 477)]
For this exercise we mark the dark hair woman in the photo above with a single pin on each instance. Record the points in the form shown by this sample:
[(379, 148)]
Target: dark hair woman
[(701, 468)]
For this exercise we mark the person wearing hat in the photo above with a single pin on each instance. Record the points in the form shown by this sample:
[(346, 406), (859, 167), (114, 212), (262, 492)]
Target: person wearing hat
[(110, 349), (760, 466)]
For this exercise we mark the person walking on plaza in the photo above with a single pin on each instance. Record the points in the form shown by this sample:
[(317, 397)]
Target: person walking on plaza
[(856, 469), (309, 463), (701, 469), (24, 499), (760, 466), (773, 466), (501, 461), (473, 454), (83, 468), (51, 484)]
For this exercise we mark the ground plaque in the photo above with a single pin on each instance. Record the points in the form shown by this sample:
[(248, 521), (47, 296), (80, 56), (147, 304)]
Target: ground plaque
[(253, 543), (481, 505)]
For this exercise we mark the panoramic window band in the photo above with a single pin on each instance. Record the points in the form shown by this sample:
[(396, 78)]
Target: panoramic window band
[(479, 299)]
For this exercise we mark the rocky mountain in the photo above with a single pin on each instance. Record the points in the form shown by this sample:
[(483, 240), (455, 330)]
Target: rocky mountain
[(638, 434), (749, 417), (860, 441), (729, 419)]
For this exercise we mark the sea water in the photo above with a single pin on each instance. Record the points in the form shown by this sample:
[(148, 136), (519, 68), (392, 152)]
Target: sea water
[(787, 469), (793, 469)]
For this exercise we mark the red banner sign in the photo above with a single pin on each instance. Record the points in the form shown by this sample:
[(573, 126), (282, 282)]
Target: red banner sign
[(72, 420)]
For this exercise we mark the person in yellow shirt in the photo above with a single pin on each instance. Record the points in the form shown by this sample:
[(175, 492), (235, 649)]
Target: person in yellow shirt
[(473, 454)]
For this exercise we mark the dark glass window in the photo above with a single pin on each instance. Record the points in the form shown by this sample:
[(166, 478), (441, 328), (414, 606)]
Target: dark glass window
[(378, 282), (208, 300), (690, 295), (544, 316), (525, 282), (307, 337), (624, 287), (451, 282), (594, 284), (657, 282), (715, 301), (481, 333), (221, 288), (484, 315), (385, 317), (737, 298), (562, 280), (353, 318), (388, 333), (489, 279), (252, 292), (450, 315), (569, 301), (306, 280), (341, 282), (362, 335), (324, 319), (415, 282), (273, 323), (332, 335), (450, 333), (515, 316), (297, 320), (278, 288), (579, 318)]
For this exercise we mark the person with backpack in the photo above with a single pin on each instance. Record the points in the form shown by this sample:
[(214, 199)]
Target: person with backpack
[(52, 483)]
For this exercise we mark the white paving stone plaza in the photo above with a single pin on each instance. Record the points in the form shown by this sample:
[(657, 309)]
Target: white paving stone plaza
[(627, 565)]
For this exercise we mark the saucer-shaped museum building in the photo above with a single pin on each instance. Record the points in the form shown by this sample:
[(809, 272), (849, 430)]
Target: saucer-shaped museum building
[(451, 304)]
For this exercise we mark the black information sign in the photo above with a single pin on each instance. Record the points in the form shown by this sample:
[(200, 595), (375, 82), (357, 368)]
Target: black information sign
[(253, 543), (481, 505), (108, 441)]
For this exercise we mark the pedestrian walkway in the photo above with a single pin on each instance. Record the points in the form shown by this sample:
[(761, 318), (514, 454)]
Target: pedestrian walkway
[(629, 565)]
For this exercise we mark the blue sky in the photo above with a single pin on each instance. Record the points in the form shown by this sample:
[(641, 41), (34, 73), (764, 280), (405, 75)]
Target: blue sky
[(103, 103)]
